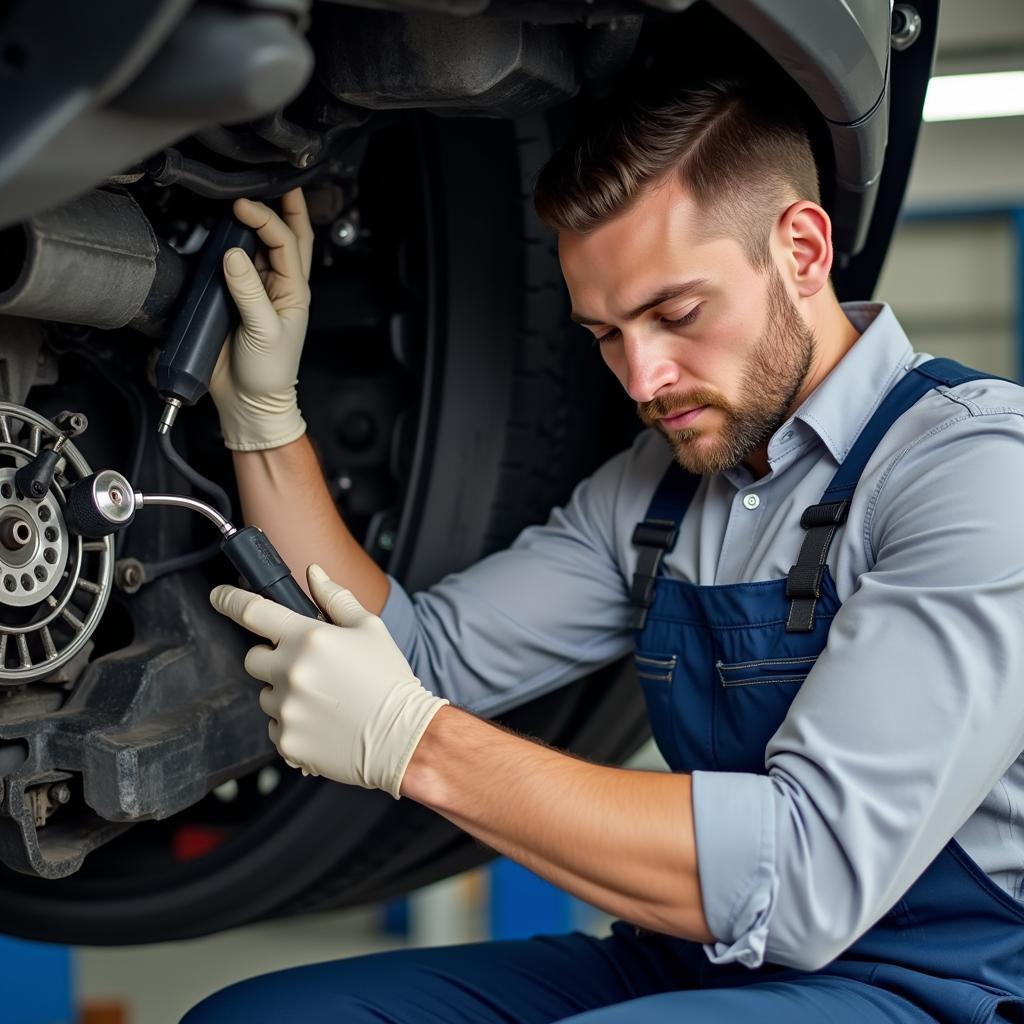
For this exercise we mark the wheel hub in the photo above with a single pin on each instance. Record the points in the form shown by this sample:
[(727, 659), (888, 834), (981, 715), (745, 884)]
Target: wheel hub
[(34, 544)]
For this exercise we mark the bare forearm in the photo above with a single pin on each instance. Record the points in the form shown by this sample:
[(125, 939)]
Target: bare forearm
[(284, 493), (620, 840)]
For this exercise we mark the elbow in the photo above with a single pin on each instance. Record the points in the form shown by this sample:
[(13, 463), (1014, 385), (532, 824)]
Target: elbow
[(813, 955), (807, 946)]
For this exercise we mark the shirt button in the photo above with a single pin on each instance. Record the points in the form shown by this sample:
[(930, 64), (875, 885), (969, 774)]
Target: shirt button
[(751, 501)]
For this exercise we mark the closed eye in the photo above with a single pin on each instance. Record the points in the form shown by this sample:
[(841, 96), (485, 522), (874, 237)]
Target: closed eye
[(684, 321), (613, 333)]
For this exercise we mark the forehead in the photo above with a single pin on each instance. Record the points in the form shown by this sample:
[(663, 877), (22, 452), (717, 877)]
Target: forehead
[(662, 237)]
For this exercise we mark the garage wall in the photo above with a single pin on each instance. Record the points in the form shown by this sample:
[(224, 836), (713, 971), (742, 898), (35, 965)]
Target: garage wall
[(952, 282)]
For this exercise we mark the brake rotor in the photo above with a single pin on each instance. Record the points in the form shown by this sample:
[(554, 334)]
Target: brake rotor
[(54, 586)]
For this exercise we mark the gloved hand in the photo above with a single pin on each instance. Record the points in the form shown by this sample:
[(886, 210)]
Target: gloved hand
[(253, 383), (342, 699)]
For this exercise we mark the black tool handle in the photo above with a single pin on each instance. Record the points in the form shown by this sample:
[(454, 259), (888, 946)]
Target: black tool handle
[(252, 554), (206, 315)]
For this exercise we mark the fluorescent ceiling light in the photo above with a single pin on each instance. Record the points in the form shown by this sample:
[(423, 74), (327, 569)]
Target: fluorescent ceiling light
[(958, 97)]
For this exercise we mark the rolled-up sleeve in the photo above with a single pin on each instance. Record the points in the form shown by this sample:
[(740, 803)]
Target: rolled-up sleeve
[(910, 716)]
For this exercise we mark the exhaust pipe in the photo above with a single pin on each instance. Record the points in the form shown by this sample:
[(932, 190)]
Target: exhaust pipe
[(94, 261)]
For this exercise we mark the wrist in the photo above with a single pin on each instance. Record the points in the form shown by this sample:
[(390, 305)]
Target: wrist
[(424, 780), (260, 430)]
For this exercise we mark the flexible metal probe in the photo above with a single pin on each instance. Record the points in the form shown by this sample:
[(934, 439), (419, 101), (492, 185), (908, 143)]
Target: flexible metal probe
[(105, 502)]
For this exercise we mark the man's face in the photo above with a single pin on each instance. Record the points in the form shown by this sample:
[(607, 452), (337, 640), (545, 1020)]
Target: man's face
[(712, 350)]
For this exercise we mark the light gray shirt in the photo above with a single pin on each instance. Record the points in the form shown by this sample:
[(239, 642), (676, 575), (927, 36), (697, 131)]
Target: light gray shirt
[(910, 727)]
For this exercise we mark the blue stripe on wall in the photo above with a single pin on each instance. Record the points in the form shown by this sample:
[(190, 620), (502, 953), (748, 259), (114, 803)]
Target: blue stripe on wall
[(35, 982)]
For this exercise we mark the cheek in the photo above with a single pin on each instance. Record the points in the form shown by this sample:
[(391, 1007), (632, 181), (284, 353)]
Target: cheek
[(728, 347)]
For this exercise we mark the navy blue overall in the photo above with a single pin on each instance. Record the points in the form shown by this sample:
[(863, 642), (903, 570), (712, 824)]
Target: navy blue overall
[(951, 950)]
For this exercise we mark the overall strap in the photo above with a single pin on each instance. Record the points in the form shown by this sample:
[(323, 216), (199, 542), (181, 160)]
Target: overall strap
[(822, 521), (657, 534)]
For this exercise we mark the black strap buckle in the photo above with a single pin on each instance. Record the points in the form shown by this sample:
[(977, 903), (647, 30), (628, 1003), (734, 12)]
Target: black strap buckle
[(831, 514), (655, 533), (653, 537), (804, 582)]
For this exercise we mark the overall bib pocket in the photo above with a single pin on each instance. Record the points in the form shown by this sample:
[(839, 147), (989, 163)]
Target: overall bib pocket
[(751, 700), (656, 673), (765, 670)]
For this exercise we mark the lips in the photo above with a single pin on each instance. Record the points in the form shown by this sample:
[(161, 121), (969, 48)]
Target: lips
[(682, 419)]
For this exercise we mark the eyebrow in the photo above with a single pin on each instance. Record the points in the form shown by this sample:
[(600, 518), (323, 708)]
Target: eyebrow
[(673, 291)]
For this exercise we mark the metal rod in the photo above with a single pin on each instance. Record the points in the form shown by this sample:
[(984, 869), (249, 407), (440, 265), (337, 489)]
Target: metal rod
[(180, 501)]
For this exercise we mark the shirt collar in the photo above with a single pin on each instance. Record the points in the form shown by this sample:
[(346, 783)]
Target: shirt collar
[(839, 407)]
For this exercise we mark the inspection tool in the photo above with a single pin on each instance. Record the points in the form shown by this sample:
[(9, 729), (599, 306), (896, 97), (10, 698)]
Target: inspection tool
[(105, 502), (201, 326)]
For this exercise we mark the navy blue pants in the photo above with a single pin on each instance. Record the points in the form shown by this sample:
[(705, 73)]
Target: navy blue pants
[(621, 979)]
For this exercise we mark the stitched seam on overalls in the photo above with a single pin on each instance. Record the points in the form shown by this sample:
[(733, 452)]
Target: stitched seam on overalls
[(758, 682), (646, 659), (764, 661)]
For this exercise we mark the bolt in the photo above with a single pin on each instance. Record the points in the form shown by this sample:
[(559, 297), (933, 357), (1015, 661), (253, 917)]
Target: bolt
[(129, 575), (116, 495), (60, 793), (906, 26), (343, 232)]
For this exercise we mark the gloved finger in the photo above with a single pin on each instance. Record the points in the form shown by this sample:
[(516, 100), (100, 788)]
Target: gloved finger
[(270, 703), (221, 369), (257, 614), (340, 605), (296, 216), (282, 245), (251, 298), (261, 664), (274, 732)]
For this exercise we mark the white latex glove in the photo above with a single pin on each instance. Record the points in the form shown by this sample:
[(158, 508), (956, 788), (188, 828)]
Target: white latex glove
[(253, 383), (342, 699)]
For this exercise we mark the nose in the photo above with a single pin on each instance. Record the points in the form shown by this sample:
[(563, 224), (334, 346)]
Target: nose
[(646, 368)]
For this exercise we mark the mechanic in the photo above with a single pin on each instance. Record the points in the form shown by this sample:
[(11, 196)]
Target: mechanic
[(837, 691)]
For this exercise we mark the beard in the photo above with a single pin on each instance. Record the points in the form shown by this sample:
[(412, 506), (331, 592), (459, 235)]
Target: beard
[(772, 378)]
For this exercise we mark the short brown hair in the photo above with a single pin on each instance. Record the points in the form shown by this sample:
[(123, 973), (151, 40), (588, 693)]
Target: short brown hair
[(742, 156)]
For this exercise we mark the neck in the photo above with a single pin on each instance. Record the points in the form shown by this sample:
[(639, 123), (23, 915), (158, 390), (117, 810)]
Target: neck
[(834, 336)]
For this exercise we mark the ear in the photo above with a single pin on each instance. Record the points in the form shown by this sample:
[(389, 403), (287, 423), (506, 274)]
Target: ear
[(803, 234)]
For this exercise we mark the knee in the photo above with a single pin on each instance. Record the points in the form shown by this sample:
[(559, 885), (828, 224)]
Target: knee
[(311, 994)]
